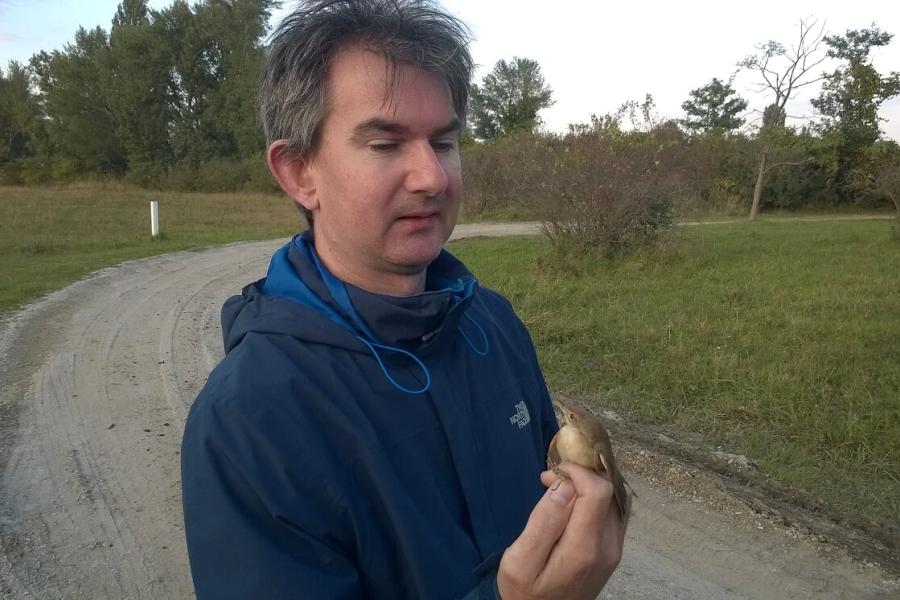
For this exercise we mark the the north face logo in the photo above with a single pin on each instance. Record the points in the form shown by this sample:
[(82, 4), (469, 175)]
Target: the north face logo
[(521, 418)]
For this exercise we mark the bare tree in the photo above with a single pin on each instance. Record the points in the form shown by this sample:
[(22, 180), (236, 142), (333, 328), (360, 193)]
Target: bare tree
[(783, 71)]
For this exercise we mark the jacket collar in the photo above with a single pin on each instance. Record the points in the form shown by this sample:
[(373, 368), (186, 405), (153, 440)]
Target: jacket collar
[(414, 323)]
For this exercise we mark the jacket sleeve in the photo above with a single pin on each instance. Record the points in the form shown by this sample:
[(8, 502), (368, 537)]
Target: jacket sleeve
[(239, 543)]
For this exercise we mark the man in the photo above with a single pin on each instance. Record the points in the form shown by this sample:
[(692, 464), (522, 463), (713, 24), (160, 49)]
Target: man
[(378, 427)]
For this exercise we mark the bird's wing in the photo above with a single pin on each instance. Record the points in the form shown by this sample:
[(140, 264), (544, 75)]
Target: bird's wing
[(553, 458), (621, 490), (602, 463)]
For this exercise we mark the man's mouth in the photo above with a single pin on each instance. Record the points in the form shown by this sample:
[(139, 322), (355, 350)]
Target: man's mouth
[(421, 215)]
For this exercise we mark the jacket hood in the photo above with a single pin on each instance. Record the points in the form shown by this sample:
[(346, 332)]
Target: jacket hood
[(299, 297)]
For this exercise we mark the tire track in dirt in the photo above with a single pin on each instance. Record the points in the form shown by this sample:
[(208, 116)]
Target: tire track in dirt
[(95, 511), (95, 384)]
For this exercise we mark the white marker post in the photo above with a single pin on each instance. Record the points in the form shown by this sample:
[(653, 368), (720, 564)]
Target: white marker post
[(154, 218)]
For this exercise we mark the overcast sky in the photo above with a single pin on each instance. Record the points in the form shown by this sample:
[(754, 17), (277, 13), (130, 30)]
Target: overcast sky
[(595, 55)]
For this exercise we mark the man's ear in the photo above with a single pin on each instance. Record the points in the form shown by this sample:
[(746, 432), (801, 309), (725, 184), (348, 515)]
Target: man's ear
[(293, 175)]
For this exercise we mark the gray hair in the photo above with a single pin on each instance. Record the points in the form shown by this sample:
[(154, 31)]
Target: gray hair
[(292, 85)]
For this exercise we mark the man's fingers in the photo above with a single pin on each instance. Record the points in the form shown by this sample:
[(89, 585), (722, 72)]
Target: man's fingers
[(595, 494), (545, 526), (548, 478)]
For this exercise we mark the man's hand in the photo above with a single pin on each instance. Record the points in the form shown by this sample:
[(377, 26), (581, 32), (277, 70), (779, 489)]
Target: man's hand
[(571, 543)]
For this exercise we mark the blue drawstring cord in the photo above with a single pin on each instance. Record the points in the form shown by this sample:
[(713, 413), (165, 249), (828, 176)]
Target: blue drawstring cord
[(336, 288), (339, 293), (372, 348), (484, 337)]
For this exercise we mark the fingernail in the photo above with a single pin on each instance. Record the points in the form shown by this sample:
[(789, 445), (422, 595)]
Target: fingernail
[(562, 492)]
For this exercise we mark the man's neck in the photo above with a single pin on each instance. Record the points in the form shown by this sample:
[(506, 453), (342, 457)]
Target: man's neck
[(378, 282)]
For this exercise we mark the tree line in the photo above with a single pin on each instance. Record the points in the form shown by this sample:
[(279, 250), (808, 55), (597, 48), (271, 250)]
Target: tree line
[(838, 158), (166, 99), (163, 98)]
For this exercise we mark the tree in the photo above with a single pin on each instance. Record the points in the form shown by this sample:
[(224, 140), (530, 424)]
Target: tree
[(641, 115), (239, 26), (140, 83), (75, 89), (19, 112), (194, 132), (131, 13), (713, 109), (849, 102), (216, 57), (783, 72), (509, 99), (884, 175)]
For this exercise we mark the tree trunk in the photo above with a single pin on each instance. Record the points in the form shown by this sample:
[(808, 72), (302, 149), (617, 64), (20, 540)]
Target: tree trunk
[(760, 181), (896, 200)]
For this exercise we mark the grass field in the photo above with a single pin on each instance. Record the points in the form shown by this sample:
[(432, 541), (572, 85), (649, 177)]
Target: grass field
[(50, 237), (780, 340)]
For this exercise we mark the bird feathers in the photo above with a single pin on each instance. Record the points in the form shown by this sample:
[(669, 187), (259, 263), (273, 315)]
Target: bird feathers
[(583, 439)]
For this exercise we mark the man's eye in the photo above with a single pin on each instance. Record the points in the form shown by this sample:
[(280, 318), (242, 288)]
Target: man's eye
[(443, 145), (382, 147)]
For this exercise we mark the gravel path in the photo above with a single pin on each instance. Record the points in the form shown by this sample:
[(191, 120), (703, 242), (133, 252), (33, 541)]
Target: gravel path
[(95, 384)]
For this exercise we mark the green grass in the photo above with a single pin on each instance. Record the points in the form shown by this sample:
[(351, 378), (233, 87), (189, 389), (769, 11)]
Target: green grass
[(50, 237), (780, 340)]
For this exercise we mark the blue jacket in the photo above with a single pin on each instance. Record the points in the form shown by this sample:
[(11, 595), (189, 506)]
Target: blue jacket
[(355, 445)]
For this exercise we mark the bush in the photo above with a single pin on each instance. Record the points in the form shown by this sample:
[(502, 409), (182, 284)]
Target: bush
[(601, 190), (609, 195), (40, 171), (505, 175), (884, 180), (10, 173), (259, 177), (35, 171), (212, 175), (63, 169), (720, 172), (145, 174)]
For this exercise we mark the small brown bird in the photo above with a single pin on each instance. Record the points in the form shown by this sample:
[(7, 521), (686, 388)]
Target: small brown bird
[(582, 439)]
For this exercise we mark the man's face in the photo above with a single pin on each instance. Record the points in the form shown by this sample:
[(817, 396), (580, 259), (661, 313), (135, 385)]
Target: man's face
[(386, 175)]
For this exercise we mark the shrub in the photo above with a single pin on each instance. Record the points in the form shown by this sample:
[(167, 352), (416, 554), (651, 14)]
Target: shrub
[(505, 174), (609, 195), (35, 171), (10, 173), (258, 177), (212, 175), (884, 180), (145, 174)]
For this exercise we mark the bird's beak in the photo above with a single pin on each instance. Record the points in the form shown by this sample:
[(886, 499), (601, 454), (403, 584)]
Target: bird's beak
[(561, 408)]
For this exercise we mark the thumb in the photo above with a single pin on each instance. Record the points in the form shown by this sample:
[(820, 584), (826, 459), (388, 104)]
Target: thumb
[(545, 525)]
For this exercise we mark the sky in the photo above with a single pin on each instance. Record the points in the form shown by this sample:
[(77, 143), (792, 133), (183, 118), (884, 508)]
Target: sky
[(595, 55)]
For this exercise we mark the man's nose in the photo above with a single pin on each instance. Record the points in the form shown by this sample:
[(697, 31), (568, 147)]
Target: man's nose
[(426, 172)]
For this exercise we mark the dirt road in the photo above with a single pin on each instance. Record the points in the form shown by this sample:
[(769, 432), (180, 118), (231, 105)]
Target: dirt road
[(95, 384)]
